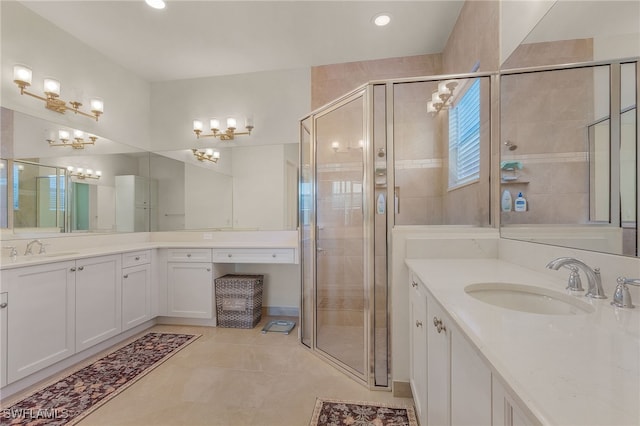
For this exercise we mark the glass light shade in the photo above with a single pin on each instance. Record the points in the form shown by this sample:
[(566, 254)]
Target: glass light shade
[(70, 168), (430, 107), (97, 105), (231, 123), (216, 154), (214, 124), (89, 171), (335, 145), (63, 134), (361, 143), (248, 122), (22, 74), (51, 87), (98, 173), (79, 169), (197, 125), (78, 134), (208, 151), (443, 89), (435, 98)]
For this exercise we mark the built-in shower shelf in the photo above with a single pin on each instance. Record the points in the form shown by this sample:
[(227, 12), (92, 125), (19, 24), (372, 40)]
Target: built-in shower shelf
[(514, 182)]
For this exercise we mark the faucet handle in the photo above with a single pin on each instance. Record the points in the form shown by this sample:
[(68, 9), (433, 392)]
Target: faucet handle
[(622, 296), (574, 283), (14, 251), (43, 248)]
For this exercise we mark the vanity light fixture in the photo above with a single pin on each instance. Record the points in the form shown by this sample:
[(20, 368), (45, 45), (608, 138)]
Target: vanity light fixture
[(335, 146), (216, 132), (443, 97), (22, 76), (81, 173), (77, 142), (206, 155)]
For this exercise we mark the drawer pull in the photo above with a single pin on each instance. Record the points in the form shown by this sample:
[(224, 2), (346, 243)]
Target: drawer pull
[(414, 284), (81, 268), (418, 323), (273, 255), (126, 276), (188, 254), (229, 255), (73, 269), (438, 325), (137, 257), (208, 269), (3, 305)]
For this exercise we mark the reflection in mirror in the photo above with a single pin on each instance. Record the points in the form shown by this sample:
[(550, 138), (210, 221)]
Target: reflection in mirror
[(4, 194), (559, 150)]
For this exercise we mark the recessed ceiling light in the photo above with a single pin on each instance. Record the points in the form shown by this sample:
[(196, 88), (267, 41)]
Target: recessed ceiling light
[(382, 19), (156, 4)]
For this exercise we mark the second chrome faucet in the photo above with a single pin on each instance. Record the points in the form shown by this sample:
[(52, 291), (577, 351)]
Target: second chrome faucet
[(594, 280)]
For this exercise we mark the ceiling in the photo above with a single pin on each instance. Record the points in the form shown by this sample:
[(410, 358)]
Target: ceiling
[(191, 39)]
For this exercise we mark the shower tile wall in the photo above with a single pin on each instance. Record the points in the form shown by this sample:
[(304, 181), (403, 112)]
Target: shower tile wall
[(546, 115)]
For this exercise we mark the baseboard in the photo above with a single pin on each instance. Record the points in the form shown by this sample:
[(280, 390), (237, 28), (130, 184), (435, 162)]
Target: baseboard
[(280, 311), (402, 390)]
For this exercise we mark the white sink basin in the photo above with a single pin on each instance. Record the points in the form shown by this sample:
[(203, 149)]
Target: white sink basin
[(526, 298), (48, 255)]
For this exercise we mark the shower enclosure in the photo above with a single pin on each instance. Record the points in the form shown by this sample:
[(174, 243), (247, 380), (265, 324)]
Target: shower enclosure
[(370, 160)]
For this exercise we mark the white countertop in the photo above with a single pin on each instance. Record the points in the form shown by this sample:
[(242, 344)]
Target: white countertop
[(72, 254), (568, 369)]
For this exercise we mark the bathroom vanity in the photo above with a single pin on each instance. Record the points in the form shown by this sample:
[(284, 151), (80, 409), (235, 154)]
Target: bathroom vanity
[(61, 307), (476, 363)]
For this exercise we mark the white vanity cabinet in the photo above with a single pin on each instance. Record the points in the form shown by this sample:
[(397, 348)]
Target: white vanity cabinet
[(450, 382), (506, 411), (41, 316), (190, 283), (4, 304), (136, 288), (98, 290)]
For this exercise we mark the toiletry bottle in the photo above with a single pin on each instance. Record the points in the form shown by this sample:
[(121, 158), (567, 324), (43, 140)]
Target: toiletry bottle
[(506, 201), (380, 204), (520, 203)]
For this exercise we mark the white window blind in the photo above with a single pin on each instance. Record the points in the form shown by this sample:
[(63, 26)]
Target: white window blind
[(464, 138)]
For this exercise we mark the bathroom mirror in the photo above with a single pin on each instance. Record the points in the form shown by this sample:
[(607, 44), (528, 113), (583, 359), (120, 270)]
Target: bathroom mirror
[(569, 136), (180, 192)]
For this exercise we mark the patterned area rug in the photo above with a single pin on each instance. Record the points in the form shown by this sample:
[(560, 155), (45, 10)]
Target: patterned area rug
[(330, 412), (67, 401)]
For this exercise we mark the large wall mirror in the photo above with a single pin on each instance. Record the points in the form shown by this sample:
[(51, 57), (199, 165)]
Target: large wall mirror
[(48, 186), (569, 134)]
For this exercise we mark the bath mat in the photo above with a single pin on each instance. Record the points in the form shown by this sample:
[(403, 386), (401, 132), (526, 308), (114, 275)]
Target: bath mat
[(68, 400), (332, 412)]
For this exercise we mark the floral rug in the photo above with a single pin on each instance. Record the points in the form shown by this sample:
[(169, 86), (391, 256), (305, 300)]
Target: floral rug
[(72, 398), (329, 412)]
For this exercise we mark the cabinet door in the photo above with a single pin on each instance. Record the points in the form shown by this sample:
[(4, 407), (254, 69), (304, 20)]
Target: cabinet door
[(506, 412), (190, 287), (4, 305), (418, 348), (438, 367), (98, 300), (470, 384), (40, 317), (136, 295)]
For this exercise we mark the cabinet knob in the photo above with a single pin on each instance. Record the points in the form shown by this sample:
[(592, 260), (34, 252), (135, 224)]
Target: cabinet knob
[(418, 323), (188, 254), (126, 276), (438, 325), (81, 268), (414, 284), (73, 269), (208, 269), (273, 255), (137, 257), (3, 305), (229, 255)]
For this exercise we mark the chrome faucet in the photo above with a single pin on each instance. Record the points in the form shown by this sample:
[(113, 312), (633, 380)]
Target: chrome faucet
[(594, 280), (28, 250), (622, 296)]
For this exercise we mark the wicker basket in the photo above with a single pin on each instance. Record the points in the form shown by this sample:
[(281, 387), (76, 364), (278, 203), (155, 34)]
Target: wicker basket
[(239, 300)]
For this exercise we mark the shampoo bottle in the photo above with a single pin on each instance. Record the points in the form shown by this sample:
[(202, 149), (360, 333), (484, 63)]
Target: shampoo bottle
[(506, 201), (380, 204), (521, 203)]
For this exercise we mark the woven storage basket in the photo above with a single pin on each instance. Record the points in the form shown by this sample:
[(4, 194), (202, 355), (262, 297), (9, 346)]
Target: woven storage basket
[(239, 300)]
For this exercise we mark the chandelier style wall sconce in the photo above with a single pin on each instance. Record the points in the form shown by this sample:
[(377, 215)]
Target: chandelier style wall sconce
[(335, 146), (78, 141), (22, 76), (442, 98), (227, 134), (206, 155), (81, 173)]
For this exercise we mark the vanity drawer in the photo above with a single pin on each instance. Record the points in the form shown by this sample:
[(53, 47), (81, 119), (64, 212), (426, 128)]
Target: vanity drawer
[(254, 255), (136, 258), (189, 255)]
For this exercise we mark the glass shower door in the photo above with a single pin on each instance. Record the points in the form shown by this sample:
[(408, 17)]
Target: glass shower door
[(341, 331)]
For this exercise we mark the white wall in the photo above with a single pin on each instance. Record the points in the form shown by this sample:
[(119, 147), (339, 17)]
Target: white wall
[(50, 52), (275, 99), (259, 187), (517, 19)]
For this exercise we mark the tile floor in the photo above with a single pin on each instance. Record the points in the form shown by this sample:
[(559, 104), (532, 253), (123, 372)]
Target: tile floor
[(233, 377)]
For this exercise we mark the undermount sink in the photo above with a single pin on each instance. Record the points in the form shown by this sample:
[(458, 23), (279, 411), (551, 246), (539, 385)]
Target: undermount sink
[(55, 254), (526, 298)]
